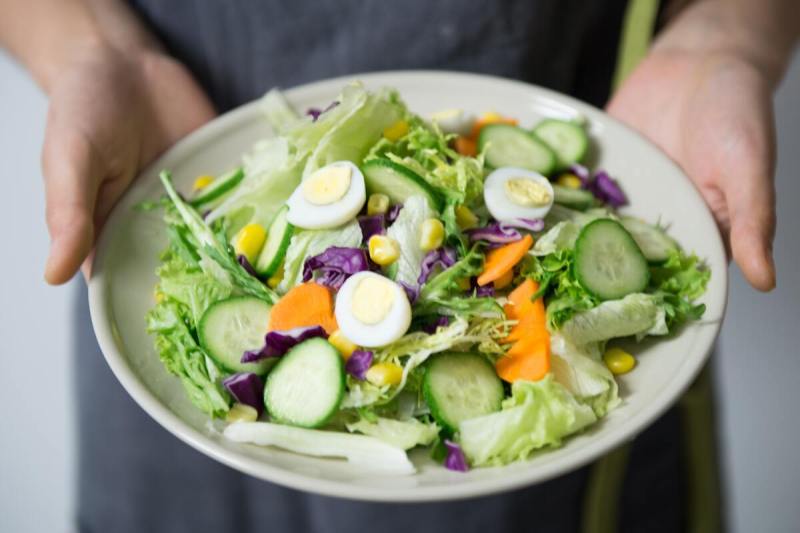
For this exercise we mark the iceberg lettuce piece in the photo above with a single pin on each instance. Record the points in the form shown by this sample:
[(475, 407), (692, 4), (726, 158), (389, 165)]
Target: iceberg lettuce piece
[(405, 231), (360, 450), (635, 314), (404, 434), (537, 414), (277, 111), (562, 236), (308, 243), (583, 374)]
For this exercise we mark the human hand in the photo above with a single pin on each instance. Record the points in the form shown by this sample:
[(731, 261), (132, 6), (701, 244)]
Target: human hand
[(713, 116), (111, 112)]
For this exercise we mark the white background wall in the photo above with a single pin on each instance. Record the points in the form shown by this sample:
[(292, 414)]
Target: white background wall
[(758, 365)]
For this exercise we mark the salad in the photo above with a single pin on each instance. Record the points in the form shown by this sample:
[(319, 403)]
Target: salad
[(370, 281)]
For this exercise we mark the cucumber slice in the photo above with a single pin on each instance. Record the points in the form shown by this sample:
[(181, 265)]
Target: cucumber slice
[(398, 182), (655, 244), (575, 198), (608, 262), (306, 387), (230, 327), (218, 188), (279, 235), (567, 139), (510, 146), (458, 386)]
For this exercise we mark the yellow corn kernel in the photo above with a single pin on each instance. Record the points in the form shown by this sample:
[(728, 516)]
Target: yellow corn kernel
[(505, 280), (465, 218), (619, 361), (383, 250), (276, 278), (342, 343), (378, 204), (464, 284), (381, 374), (569, 180), (241, 413), (431, 234), (202, 182), (250, 240), (396, 130), (158, 296), (491, 116)]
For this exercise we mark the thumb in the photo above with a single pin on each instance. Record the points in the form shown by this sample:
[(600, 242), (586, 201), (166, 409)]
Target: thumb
[(71, 177)]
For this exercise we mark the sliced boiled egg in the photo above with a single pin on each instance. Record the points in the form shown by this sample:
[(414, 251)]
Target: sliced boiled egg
[(513, 193), (453, 121), (372, 310), (328, 198)]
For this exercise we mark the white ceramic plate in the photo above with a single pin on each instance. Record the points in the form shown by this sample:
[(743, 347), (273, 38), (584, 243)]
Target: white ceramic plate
[(120, 290)]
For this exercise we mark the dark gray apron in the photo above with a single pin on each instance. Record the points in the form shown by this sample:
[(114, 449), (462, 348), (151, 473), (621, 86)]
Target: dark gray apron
[(134, 476)]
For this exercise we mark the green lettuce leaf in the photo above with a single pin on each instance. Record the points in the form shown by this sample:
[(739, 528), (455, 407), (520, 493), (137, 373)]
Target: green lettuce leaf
[(404, 434), (537, 414), (183, 357), (677, 282), (636, 314), (191, 285), (307, 243)]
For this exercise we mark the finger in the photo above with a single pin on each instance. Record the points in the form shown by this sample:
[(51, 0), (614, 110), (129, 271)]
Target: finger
[(750, 195), (70, 192)]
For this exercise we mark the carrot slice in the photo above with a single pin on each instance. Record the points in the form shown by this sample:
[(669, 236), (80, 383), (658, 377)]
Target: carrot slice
[(528, 359), (529, 356), (466, 146), (500, 260), (308, 304), (505, 280)]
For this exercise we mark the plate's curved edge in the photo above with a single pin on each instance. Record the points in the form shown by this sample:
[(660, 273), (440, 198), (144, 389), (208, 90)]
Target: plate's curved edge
[(144, 397)]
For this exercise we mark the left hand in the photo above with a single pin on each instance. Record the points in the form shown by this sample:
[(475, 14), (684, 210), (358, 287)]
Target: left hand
[(712, 113)]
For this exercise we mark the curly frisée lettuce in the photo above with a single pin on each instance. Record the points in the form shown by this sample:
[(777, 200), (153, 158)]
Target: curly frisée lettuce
[(467, 307)]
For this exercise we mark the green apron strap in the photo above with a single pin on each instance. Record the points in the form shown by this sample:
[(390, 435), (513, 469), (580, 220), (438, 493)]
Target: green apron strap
[(704, 506), (604, 487), (637, 32)]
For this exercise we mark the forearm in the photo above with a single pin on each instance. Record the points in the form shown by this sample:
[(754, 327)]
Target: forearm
[(761, 32), (45, 34)]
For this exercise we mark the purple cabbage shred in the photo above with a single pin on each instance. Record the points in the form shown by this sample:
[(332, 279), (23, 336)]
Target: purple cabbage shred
[(436, 261), (315, 112), (246, 388), (358, 364), (333, 266), (371, 225), (411, 292), (393, 213), (246, 265), (607, 190), (455, 459), (277, 343)]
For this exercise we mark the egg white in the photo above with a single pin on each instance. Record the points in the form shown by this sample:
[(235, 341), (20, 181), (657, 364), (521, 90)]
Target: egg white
[(393, 326), (500, 205), (306, 215)]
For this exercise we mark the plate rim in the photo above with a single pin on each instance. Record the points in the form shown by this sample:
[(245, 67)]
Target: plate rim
[(100, 310)]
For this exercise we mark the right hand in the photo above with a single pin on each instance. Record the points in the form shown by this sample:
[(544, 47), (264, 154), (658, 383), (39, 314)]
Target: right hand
[(111, 112)]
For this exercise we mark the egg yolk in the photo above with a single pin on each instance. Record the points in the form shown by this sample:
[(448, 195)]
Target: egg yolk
[(373, 297), (527, 192), (327, 185)]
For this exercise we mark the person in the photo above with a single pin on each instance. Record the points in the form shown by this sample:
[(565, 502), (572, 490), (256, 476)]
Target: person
[(126, 81)]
